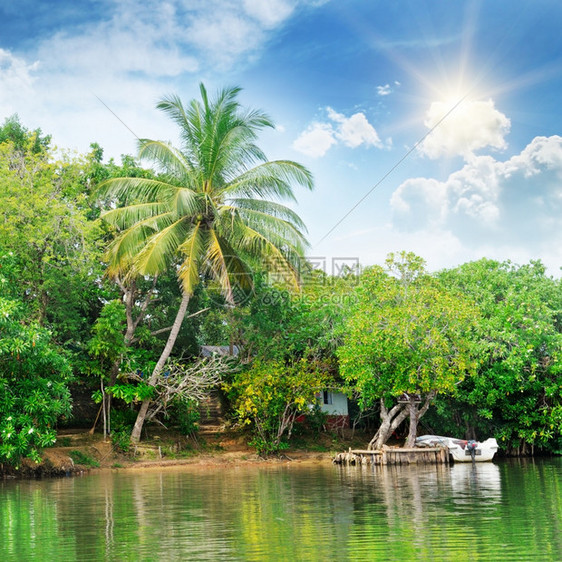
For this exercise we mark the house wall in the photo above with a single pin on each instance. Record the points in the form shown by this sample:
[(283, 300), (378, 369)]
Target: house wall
[(338, 407), (337, 416), (337, 412)]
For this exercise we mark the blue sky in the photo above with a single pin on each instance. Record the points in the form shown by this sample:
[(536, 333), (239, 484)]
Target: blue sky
[(354, 87)]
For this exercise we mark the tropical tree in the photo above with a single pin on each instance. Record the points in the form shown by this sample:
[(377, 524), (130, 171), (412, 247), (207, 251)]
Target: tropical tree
[(34, 377), (270, 395), (212, 209), (406, 340), (22, 138), (516, 394), (44, 222)]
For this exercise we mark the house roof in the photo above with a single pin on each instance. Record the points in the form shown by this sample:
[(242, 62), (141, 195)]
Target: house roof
[(221, 350)]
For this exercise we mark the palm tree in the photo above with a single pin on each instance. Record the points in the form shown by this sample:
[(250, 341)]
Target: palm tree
[(215, 204)]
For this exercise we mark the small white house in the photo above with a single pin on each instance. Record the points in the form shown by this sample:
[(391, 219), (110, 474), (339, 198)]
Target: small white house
[(334, 404)]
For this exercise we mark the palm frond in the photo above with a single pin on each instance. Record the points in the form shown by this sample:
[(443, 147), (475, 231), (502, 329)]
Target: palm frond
[(125, 249), (169, 159), (135, 190), (193, 248), (188, 203), (226, 266), (275, 230), (159, 249), (124, 217), (261, 206), (270, 180), (272, 250), (173, 107)]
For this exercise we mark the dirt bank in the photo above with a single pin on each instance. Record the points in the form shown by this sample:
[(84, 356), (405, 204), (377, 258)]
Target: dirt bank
[(78, 451)]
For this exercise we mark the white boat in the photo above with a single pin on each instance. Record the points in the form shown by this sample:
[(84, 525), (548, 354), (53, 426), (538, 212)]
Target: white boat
[(460, 449)]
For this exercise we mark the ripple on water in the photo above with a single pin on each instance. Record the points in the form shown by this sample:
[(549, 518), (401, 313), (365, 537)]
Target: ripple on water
[(505, 511)]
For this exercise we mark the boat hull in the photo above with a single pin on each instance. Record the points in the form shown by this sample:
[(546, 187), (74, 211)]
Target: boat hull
[(483, 452), (461, 450)]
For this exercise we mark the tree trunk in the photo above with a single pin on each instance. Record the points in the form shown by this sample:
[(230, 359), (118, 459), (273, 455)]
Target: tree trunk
[(415, 416), (390, 420), (413, 431), (137, 429)]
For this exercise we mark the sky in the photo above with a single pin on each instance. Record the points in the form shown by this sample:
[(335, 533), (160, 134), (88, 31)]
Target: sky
[(431, 126)]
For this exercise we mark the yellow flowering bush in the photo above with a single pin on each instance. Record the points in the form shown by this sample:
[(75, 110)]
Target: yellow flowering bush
[(270, 395)]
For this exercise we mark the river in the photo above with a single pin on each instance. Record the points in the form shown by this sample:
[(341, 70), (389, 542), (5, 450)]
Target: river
[(510, 510)]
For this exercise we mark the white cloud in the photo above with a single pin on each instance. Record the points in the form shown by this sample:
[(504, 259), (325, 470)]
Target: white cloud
[(496, 209), (384, 90), (225, 36), (470, 126), (514, 205), (352, 131), (129, 58), (355, 130), (269, 13), (316, 140), (17, 77), (13, 68)]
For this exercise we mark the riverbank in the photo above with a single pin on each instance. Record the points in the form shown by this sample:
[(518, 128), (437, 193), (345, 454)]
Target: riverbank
[(79, 451)]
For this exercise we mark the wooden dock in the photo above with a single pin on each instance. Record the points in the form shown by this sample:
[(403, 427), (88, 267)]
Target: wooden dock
[(394, 456)]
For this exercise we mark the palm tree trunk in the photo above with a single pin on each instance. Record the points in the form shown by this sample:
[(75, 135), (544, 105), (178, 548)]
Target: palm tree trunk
[(137, 429)]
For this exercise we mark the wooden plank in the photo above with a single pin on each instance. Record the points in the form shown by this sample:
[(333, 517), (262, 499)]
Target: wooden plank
[(395, 456), (418, 450), (398, 450)]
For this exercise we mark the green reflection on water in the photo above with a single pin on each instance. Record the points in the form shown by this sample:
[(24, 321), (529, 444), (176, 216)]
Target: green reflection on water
[(510, 510)]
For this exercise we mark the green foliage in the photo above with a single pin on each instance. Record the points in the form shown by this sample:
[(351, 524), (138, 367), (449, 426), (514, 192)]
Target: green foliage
[(83, 459), (186, 414), (23, 139), (316, 418), (213, 206), (123, 418), (131, 392), (122, 423), (406, 333), (516, 394), (33, 390), (44, 224), (270, 395), (290, 338), (108, 342), (286, 325), (121, 439)]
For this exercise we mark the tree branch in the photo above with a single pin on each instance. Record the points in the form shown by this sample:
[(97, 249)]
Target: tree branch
[(190, 383), (168, 328)]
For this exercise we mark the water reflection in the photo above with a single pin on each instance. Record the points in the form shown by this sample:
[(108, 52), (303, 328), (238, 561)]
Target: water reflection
[(289, 512), (418, 502), (479, 480)]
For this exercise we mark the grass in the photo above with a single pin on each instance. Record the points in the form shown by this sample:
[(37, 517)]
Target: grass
[(85, 460)]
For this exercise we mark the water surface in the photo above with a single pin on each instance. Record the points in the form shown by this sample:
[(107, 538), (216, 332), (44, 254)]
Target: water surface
[(508, 511)]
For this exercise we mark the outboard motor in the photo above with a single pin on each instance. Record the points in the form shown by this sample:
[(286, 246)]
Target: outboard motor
[(471, 446)]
